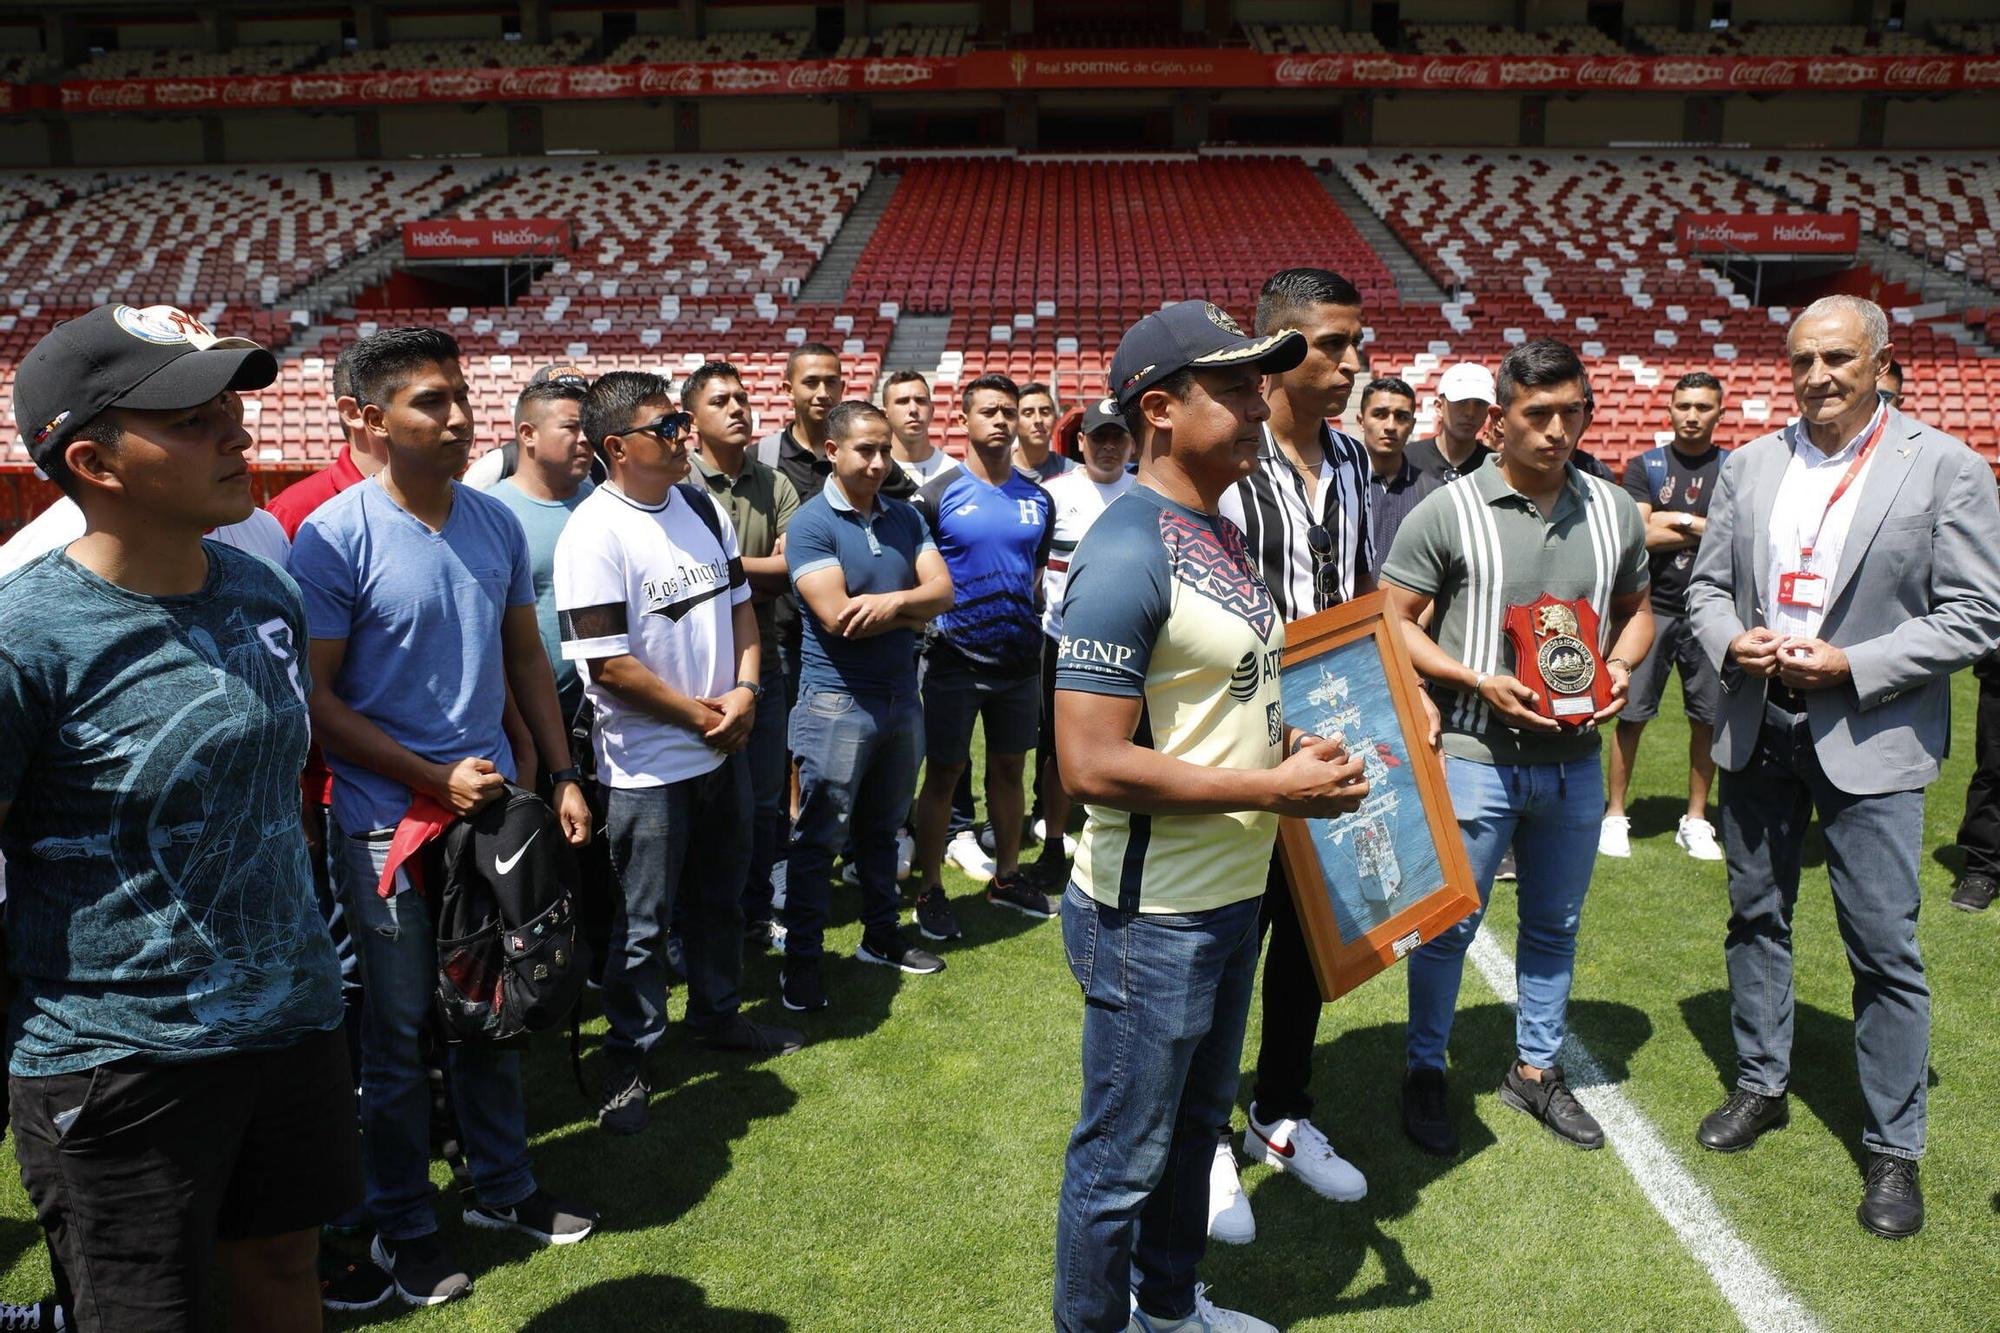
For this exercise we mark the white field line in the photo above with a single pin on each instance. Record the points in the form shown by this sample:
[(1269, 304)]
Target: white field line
[(1758, 1296)]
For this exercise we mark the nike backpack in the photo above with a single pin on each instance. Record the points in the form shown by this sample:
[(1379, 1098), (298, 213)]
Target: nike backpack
[(511, 959)]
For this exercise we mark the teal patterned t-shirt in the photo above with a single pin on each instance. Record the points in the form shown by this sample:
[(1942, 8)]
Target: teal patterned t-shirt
[(159, 900)]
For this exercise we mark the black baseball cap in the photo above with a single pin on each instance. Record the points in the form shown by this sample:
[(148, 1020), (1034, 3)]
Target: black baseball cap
[(1194, 334), (1104, 412), (152, 357), (562, 372)]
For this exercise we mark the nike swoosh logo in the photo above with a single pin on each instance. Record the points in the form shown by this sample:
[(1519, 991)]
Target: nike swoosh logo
[(1282, 1149), (501, 865)]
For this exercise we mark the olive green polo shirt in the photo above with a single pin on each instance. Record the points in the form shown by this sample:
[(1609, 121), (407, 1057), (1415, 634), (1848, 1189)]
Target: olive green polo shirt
[(1477, 546), (760, 504)]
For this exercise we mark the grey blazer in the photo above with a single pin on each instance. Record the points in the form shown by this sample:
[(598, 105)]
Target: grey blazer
[(1916, 597)]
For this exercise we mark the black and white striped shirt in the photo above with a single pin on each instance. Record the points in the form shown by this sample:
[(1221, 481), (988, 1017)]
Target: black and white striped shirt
[(1275, 513)]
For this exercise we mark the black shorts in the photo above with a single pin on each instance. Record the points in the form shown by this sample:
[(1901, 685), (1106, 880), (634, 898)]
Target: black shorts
[(137, 1169)]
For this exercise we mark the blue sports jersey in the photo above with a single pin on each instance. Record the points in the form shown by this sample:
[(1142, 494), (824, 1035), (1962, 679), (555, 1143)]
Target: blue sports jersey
[(995, 540)]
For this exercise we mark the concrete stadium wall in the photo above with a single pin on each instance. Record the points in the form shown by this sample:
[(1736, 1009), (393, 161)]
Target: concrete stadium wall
[(111, 141), (609, 129), (881, 18), (753, 18), (408, 131), (324, 31), (1595, 121), (423, 27), (1472, 119), (1957, 122), (281, 136), (741, 125), (169, 36), (1792, 121)]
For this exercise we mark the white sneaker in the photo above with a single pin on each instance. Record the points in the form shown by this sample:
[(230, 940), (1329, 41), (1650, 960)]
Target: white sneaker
[(1229, 1217), (1207, 1318), (1697, 838), (1296, 1146), (1614, 837), (965, 852)]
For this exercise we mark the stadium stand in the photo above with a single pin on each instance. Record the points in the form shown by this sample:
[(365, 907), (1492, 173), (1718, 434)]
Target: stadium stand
[(1783, 39), (22, 66), (904, 40), (1280, 39), (1481, 39), (445, 54), (172, 62), (659, 48), (1108, 34), (1979, 38), (1925, 203)]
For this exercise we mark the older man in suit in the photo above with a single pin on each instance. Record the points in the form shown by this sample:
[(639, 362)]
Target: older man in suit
[(1851, 564)]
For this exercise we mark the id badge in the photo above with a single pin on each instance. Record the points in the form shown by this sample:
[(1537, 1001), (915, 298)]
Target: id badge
[(1802, 590)]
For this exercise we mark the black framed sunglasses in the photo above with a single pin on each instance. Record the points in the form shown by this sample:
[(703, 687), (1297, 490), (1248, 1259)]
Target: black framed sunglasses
[(670, 426)]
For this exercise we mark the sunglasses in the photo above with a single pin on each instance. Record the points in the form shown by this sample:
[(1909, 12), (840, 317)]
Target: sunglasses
[(669, 427), (1325, 577)]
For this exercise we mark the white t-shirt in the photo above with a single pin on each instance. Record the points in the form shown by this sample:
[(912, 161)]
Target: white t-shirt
[(484, 474), (62, 523), (659, 584), (939, 461), (1079, 501)]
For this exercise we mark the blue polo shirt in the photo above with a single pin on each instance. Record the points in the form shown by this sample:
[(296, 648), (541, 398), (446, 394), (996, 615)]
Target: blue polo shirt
[(878, 553)]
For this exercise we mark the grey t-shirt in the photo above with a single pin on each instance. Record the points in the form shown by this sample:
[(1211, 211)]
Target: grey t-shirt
[(1478, 546), (159, 900)]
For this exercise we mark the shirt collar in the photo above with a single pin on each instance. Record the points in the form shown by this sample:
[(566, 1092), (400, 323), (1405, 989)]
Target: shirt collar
[(1269, 454), (1800, 442), (717, 478), (1493, 486), (842, 505)]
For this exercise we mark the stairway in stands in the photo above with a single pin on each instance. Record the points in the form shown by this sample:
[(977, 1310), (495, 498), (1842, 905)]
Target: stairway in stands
[(828, 281), (1413, 284), (918, 343)]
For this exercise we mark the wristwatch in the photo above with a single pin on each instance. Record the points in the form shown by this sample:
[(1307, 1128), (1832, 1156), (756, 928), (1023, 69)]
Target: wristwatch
[(562, 775), (756, 690)]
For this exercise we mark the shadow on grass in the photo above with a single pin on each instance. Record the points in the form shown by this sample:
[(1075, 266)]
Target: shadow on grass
[(18, 1235), (1822, 1050), (651, 1302), (1656, 816), (1309, 1253)]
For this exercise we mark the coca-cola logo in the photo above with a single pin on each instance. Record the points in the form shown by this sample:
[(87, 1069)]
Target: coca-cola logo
[(742, 78), (1838, 73), (679, 79), (117, 95), (1699, 73), (531, 83), (1917, 74), (392, 88), (894, 73), (1611, 73), (253, 92), (816, 77), (318, 90), (1530, 71), (1981, 71), (1469, 73), (599, 82), (1384, 70), (1312, 70), (1764, 73), (175, 92)]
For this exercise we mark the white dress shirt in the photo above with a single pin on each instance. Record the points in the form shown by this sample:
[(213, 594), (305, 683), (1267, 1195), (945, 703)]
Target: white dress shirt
[(1809, 482)]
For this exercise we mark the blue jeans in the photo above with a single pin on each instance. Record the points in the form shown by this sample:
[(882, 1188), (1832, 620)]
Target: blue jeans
[(1872, 848), (1166, 999), (770, 789), (652, 831), (858, 757), (397, 945), (1550, 814)]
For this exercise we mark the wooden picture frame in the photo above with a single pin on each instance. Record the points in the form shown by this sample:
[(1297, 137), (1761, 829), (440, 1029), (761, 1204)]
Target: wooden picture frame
[(1372, 885)]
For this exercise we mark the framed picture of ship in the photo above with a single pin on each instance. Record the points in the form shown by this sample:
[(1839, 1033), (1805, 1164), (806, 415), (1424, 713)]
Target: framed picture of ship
[(1374, 884)]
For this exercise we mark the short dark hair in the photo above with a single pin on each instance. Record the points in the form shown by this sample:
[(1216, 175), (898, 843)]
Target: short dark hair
[(547, 391), (1287, 295), (382, 363), (1537, 365), (1033, 387), (1388, 384), (343, 373), (846, 415), (903, 376), (991, 380), (1698, 379), (692, 386), (101, 430), (804, 350), (1895, 368), (614, 397), (1175, 386)]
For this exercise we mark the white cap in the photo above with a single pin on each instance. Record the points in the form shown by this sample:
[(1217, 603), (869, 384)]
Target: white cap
[(1467, 380)]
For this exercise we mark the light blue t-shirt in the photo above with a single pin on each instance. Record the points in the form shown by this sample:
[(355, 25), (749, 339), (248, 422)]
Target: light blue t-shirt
[(421, 613), (543, 522), (159, 899)]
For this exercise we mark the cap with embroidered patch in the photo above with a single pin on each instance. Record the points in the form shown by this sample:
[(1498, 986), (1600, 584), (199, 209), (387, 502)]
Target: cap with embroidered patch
[(1198, 335), (562, 372), (1104, 412), (153, 357)]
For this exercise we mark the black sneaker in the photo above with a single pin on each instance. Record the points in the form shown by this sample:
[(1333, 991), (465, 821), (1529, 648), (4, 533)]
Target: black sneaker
[(1551, 1102), (623, 1110), (1505, 873), (1975, 893), (541, 1215), (894, 951), (1425, 1118), (1016, 893), (343, 1285), (40, 1315), (1892, 1203), (419, 1267), (800, 986), (933, 915), (737, 1033)]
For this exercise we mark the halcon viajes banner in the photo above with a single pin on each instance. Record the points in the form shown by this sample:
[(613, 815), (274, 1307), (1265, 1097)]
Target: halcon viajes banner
[(485, 238), (1770, 233)]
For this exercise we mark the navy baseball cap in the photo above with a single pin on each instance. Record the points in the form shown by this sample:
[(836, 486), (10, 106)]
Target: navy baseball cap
[(149, 357), (1104, 412), (562, 372), (1194, 334)]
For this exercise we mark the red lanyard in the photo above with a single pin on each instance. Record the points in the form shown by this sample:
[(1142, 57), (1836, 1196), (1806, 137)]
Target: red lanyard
[(1846, 480)]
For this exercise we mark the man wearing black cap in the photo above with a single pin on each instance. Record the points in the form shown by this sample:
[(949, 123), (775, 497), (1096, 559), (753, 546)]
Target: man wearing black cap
[(1172, 733), (176, 1052)]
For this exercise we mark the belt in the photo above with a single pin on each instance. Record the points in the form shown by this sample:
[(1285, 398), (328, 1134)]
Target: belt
[(1780, 695)]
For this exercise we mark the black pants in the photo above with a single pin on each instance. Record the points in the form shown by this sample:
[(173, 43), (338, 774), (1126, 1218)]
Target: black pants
[(1291, 1009), (1979, 834)]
